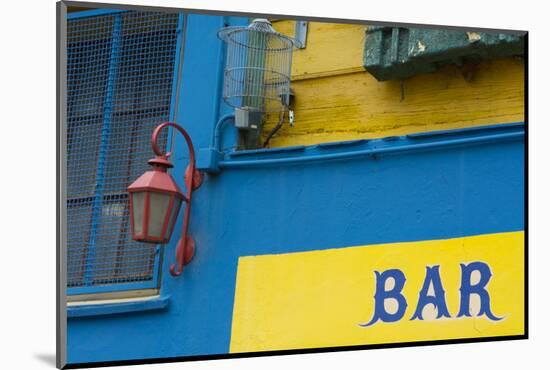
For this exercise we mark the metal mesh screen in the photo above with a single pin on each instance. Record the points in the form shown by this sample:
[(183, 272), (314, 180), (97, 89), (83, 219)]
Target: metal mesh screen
[(257, 68), (120, 69)]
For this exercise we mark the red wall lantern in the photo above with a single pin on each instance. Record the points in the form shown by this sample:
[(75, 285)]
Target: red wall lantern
[(155, 201)]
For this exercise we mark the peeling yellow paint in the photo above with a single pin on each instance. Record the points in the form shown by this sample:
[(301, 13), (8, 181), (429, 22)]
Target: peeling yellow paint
[(331, 49), (336, 99), (473, 36), (421, 47)]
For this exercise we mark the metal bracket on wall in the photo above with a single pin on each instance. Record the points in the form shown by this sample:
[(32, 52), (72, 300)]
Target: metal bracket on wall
[(397, 53), (300, 34)]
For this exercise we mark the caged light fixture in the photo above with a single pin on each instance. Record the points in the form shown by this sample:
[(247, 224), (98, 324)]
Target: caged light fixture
[(257, 76)]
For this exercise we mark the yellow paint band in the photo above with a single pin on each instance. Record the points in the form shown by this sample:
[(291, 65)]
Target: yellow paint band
[(319, 298), (338, 100)]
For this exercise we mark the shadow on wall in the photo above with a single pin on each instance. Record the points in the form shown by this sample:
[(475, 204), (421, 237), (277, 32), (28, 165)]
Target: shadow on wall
[(47, 358)]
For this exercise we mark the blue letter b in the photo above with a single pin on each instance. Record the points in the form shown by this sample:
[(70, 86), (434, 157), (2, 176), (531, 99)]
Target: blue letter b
[(382, 294)]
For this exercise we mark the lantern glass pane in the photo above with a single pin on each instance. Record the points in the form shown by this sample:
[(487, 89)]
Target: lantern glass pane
[(138, 206), (158, 209), (174, 216)]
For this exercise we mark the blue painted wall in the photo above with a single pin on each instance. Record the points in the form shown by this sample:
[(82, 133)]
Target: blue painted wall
[(414, 195)]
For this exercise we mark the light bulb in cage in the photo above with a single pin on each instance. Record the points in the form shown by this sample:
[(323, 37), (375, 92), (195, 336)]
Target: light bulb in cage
[(257, 69)]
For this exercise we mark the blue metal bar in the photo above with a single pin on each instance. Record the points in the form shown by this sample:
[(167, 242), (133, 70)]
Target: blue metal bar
[(156, 267), (174, 98), (156, 303), (221, 63), (107, 118), (180, 31), (94, 12), (113, 287), (399, 145)]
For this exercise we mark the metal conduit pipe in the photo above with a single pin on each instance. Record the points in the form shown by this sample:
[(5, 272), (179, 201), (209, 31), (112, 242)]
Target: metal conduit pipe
[(371, 151), (216, 140)]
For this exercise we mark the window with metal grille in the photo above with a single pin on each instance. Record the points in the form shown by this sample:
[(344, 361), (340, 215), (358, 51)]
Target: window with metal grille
[(121, 68)]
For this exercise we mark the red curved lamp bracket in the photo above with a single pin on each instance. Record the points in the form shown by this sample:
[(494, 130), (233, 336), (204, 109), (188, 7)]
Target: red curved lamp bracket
[(193, 179)]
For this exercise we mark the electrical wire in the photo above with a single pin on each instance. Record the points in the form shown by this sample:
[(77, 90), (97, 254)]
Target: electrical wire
[(275, 129)]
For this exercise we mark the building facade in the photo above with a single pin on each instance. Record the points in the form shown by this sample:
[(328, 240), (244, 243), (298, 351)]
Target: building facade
[(390, 211)]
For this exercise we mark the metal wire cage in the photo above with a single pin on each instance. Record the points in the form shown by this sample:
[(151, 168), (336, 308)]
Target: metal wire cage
[(257, 69)]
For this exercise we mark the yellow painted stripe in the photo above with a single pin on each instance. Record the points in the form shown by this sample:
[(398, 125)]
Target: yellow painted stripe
[(332, 48), (356, 106), (337, 100), (318, 299)]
